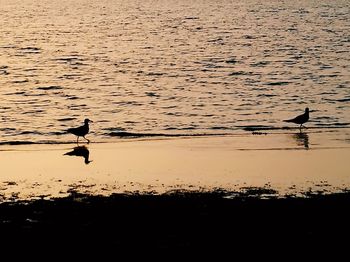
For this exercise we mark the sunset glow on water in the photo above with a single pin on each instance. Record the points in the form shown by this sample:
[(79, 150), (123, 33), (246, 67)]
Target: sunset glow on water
[(170, 67), (200, 90)]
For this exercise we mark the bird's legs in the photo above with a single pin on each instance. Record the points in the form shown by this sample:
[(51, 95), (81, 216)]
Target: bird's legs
[(87, 140), (77, 140)]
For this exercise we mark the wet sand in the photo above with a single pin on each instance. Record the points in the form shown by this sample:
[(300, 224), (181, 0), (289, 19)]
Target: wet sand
[(258, 191), (291, 163)]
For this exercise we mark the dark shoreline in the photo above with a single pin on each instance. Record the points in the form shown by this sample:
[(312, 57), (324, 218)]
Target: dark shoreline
[(182, 221)]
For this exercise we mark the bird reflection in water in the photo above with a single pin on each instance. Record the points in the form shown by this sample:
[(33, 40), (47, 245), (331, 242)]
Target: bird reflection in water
[(302, 139), (80, 151)]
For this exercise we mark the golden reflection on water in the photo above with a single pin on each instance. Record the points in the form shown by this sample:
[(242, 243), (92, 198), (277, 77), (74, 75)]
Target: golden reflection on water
[(175, 66), (160, 165)]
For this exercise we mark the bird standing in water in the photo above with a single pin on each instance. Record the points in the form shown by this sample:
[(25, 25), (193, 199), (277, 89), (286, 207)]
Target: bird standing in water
[(301, 119), (81, 130)]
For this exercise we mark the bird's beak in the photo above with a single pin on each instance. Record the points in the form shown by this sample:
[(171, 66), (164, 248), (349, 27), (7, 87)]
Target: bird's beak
[(91, 121)]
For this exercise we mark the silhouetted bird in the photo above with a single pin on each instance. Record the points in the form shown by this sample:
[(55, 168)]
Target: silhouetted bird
[(301, 119), (81, 130), (80, 151)]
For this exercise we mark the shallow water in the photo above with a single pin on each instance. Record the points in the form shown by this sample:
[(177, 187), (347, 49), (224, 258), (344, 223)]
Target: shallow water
[(272, 165), (170, 67)]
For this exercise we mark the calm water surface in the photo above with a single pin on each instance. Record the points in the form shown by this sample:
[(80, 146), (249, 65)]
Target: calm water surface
[(170, 66)]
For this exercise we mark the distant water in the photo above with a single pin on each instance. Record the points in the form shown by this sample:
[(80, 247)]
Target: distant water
[(188, 67)]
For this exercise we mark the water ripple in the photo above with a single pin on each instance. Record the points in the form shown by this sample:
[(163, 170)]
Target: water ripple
[(187, 67)]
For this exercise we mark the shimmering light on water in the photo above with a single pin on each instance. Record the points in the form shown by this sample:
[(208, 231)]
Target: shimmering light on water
[(170, 66)]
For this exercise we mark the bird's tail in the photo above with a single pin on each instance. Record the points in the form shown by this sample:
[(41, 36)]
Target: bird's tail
[(288, 120)]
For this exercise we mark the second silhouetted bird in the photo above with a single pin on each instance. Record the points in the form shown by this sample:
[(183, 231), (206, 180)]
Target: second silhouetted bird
[(301, 119), (81, 130)]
